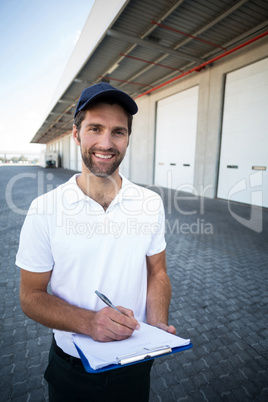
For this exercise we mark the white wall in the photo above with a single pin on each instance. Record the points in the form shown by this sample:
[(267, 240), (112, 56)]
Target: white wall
[(73, 154), (142, 143), (65, 157)]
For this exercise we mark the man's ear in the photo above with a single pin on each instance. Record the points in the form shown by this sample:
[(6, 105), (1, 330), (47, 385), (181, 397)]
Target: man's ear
[(75, 135)]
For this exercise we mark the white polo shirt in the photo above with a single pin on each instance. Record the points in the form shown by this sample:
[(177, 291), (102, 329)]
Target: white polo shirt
[(90, 249)]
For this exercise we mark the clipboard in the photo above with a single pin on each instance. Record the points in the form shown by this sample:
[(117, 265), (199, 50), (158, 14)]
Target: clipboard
[(128, 360), (148, 342)]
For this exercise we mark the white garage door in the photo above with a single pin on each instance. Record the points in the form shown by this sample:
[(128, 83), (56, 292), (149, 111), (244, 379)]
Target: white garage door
[(243, 174), (176, 140)]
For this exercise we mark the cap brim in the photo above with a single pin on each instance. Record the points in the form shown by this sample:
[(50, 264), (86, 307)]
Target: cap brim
[(127, 102)]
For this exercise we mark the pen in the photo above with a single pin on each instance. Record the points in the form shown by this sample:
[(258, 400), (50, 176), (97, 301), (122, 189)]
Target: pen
[(107, 301)]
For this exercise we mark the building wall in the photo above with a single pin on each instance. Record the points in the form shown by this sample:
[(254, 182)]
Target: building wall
[(139, 164), (62, 146), (211, 83)]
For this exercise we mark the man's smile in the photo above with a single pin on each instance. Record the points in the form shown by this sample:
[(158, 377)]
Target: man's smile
[(103, 156)]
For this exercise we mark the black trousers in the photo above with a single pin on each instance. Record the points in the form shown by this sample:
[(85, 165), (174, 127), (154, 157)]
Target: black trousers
[(69, 382)]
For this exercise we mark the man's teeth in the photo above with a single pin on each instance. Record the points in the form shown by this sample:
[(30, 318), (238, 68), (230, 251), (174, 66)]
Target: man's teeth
[(103, 156)]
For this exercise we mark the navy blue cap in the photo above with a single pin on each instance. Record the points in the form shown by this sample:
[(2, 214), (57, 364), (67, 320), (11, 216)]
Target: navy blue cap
[(98, 91)]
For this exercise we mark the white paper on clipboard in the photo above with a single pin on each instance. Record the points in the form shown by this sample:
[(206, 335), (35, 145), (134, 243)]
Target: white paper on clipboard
[(148, 338)]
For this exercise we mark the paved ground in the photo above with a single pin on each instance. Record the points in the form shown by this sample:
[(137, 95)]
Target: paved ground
[(219, 273)]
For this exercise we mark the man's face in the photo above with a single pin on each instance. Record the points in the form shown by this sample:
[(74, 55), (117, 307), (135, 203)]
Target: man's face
[(103, 138)]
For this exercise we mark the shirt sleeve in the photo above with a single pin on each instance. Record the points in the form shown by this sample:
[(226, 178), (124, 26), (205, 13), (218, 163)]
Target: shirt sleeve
[(158, 243), (34, 253)]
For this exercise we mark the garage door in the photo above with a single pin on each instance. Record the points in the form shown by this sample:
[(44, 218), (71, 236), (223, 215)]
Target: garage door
[(243, 174), (176, 140)]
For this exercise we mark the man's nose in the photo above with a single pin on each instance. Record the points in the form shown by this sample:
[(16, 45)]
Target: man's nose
[(105, 140)]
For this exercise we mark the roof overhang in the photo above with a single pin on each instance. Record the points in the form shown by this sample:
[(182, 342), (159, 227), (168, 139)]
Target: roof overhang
[(138, 45)]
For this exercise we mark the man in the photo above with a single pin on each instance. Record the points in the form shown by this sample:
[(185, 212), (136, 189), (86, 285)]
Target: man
[(99, 232)]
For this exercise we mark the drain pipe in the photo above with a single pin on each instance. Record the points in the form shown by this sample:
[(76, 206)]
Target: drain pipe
[(198, 68)]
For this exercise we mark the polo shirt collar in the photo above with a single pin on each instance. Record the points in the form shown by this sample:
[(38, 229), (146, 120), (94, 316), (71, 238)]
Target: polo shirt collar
[(74, 194)]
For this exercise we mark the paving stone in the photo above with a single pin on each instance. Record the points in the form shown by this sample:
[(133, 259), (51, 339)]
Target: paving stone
[(219, 300), (260, 380), (19, 388), (209, 393), (6, 359), (5, 394), (178, 392), (199, 380), (228, 397), (35, 382), (247, 391), (20, 365), (188, 385), (263, 398), (36, 395)]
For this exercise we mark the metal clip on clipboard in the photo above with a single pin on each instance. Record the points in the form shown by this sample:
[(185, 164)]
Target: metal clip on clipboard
[(147, 354)]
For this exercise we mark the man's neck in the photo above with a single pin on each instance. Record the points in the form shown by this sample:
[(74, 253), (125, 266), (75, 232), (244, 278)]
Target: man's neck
[(101, 189)]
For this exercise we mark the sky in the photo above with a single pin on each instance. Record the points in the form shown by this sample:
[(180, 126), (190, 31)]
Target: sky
[(37, 38)]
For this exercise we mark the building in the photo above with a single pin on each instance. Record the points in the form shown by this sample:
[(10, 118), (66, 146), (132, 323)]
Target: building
[(198, 71)]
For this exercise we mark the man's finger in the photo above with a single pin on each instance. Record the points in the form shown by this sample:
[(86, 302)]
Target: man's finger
[(126, 320), (129, 313), (168, 328)]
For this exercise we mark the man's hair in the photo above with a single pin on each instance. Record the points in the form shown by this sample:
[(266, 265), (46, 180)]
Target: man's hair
[(110, 101)]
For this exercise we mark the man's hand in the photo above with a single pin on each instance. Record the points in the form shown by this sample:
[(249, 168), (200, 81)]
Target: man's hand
[(109, 325), (53, 312), (167, 328)]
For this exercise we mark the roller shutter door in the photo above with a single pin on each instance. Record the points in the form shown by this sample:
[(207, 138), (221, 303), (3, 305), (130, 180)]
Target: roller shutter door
[(243, 173), (176, 140)]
